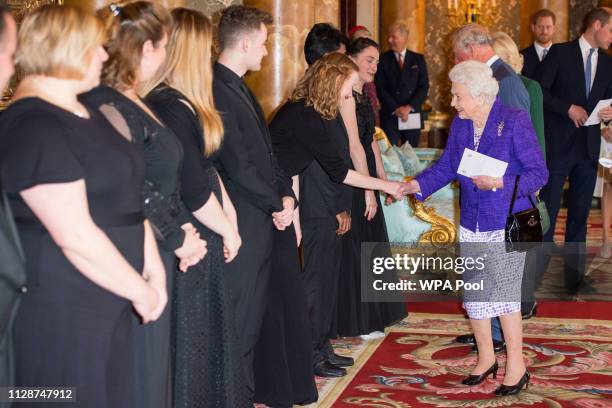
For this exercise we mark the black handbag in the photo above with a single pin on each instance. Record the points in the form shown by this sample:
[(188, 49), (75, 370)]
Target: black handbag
[(523, 228)]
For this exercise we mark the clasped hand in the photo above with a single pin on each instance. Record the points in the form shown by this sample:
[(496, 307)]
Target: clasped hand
[(403, 112), (193, 249), (578, 115), (283, 219)]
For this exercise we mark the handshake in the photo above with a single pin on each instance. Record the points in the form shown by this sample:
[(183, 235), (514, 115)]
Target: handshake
[(399, 189)]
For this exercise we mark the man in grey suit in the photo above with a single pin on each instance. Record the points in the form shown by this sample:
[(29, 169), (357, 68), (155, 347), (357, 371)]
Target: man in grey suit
[(473, 42), (12, 269)]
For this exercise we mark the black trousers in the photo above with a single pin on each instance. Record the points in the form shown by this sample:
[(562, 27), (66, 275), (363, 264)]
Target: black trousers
[(582, 173), (249, 277), (322, 256)]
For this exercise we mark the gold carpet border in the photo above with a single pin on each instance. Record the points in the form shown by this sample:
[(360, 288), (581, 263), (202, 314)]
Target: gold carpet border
[(550, 320)]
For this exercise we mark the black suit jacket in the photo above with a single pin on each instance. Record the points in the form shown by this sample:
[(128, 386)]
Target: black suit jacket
[(12, 280), (531, 62), (396, 88), (561, 76), (245, 162)]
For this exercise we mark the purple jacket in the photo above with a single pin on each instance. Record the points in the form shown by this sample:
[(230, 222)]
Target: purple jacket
[(508, 136)]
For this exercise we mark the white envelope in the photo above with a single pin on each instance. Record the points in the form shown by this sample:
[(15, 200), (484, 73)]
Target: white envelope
[(478, 164), (594, 117), (413, 122)]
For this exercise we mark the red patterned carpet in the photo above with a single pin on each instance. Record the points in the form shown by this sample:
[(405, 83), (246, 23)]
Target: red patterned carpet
[(418, 365), (568, 351)]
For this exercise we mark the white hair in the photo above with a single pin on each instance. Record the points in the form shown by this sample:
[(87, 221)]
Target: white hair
[(477, 77), (471, 35)]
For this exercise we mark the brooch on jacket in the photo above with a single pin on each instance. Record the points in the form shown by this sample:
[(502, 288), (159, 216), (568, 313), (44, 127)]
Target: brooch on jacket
[(500, 127)]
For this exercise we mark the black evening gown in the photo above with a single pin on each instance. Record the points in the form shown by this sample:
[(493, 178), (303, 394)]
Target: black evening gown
[(163, 156), (68, 330), (355, 317), (203, 337)]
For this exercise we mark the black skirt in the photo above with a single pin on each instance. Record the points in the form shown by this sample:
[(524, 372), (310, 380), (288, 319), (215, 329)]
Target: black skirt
[(355, 317)]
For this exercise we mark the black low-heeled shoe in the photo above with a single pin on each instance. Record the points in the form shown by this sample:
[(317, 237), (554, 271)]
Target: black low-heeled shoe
[(504, 390), (477, 379)]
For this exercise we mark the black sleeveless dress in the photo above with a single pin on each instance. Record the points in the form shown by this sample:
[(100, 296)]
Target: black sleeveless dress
[(203, 338), (68, 330), (354, 316)]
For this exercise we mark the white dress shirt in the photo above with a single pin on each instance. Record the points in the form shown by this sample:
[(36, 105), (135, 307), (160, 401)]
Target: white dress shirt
[(540, 50), (403, 54)]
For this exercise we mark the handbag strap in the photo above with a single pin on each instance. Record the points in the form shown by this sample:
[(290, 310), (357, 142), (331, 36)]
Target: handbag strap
[(516, 183)]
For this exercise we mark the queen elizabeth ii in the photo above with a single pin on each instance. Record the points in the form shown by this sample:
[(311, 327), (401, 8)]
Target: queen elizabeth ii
[(485, 125)]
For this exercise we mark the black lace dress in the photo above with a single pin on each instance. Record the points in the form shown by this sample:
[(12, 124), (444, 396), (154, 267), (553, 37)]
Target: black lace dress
[(206, 371), (162, 206), (354, 316)]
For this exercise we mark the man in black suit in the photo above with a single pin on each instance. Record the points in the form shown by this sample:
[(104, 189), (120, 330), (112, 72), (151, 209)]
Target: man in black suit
[(574, 77), (12, 270), (258, 187), (402, 85), (543, 29)]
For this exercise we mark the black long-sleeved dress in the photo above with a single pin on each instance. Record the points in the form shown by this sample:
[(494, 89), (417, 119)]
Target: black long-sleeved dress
[(354, 316), (204, 340)]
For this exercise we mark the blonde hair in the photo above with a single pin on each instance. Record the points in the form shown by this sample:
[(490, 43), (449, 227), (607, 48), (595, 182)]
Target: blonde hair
[(128, 27), (188, 68), (58, 41), (321, 84), (401, 27), (507, 50)]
